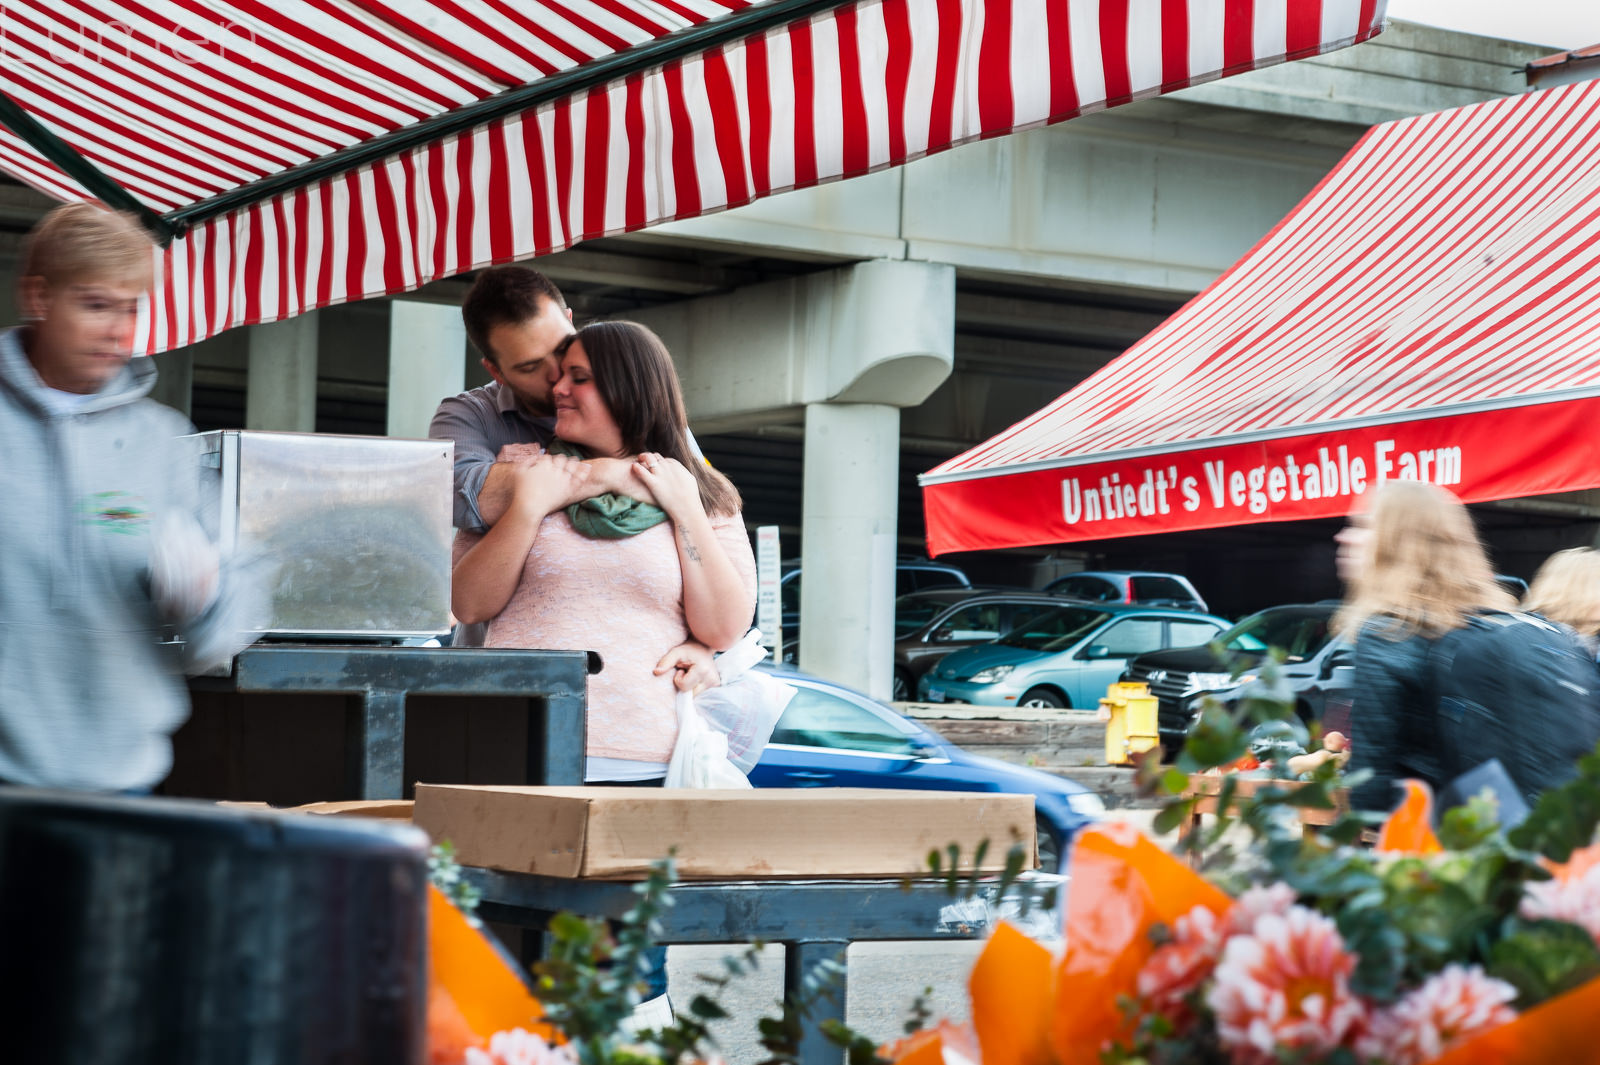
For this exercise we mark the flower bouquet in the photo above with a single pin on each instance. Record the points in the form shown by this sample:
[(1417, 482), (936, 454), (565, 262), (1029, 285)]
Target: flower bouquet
[(579, 1012), (1469, 944)]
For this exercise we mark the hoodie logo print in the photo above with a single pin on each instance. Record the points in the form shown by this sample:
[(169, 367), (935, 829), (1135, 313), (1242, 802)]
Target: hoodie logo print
[(115, 511)]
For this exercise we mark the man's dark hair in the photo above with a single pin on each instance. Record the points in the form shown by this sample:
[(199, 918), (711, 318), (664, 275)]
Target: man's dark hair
[(634, 375), (505, 295)]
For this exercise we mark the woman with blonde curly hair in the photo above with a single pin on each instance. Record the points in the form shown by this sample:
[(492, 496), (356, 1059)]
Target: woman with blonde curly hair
[(1567, 590), (1414, 571)]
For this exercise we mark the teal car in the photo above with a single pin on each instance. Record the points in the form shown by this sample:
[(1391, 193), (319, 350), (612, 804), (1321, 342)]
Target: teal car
[(1064, 658)]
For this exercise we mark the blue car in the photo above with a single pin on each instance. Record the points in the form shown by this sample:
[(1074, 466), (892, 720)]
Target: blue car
[(1064, 658), (833, 736)]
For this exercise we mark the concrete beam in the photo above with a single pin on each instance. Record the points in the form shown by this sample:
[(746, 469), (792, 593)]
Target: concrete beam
[(1056, 319), (879, 332), (1159, 195), (1407, 70), (427, 342), (282, 389)]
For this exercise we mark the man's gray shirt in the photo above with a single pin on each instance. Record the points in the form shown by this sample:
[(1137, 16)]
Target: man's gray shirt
[(481, 422)]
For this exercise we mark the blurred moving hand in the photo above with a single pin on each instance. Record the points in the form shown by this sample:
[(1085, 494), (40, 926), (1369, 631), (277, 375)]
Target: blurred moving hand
[(185, 568)]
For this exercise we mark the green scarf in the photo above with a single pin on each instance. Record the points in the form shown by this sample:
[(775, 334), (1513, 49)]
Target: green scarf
[(609, 516)]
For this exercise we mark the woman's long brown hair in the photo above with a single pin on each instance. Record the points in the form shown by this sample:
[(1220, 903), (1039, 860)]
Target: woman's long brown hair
[(634, 374)]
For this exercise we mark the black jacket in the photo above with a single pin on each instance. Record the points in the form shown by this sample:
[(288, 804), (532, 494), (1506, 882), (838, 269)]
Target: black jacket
[(1392, 714)]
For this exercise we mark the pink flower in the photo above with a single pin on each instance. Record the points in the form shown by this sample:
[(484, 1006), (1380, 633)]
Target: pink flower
[(1285, 987), (1177, 967), (519, 1047), (1576, 900), (1454, 1004), (1256, 903)]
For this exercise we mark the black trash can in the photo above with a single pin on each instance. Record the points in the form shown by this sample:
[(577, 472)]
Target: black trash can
[(142, 931)]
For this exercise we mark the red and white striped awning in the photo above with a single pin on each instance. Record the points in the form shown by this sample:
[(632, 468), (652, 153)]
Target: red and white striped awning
[(308, 152), (1431, 310)]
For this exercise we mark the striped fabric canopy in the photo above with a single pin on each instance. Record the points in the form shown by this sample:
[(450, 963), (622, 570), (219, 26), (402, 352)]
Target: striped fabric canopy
[(1431, 310), (300, 153)]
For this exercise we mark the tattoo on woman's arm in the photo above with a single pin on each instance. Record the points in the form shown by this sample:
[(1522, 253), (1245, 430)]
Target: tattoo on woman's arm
[(689, 548)]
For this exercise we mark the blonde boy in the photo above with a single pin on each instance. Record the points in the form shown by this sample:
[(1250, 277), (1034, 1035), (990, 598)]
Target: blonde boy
[(101, 552)]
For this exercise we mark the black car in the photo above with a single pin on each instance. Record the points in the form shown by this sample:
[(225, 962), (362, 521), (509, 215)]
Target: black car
[(1316, 669)]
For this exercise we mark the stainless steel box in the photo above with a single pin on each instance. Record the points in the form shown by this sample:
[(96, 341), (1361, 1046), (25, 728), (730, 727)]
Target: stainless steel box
[(358, 528)]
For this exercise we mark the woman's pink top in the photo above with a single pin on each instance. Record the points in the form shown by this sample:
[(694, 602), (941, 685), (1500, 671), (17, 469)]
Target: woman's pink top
[(624, 599)]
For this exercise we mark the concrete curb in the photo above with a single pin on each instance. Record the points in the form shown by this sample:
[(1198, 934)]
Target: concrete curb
[(1066, 743)]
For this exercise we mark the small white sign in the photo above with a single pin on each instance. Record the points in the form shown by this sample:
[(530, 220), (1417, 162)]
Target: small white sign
[(769, 605)]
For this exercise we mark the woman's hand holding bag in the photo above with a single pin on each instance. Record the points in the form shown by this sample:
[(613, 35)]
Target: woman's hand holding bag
[(700, 757)]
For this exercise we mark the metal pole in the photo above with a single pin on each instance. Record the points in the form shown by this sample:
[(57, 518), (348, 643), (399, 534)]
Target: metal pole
[(799, 959), (375, 731)]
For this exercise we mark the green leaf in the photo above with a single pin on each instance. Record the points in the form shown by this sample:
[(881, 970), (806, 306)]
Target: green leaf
[(1542, 959), (706, 1008), (1471, 824), (1173, 815), (1313, 795), (1215, 739), (1564, 818)]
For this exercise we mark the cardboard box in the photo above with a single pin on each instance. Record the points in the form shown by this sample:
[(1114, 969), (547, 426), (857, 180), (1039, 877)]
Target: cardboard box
[(385, 809), (615, 833)]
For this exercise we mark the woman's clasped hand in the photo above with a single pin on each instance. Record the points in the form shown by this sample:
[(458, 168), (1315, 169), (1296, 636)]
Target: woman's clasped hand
[(669, 481)]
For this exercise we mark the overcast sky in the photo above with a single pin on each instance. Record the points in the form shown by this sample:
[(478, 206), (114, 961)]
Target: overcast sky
[(1561, 24)]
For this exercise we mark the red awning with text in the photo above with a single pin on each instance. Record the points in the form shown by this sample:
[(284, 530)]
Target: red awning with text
[(1430, 311)]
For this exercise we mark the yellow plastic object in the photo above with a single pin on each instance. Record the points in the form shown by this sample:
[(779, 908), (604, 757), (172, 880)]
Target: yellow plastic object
[(1129, 711)]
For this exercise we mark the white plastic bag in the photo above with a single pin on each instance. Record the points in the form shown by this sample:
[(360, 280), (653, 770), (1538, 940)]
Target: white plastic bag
[(746, 710), (747, 706), (700, 757)]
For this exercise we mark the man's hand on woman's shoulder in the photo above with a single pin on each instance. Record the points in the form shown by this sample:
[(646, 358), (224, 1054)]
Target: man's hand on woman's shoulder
[(616, 476), (548, 483)]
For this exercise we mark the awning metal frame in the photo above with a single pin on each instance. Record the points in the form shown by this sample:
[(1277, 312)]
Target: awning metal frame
[(97, 181), (683, 44)]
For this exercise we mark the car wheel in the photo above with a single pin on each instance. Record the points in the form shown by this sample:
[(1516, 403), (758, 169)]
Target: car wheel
[(1050, 848), (905, 689), (1043, 699)]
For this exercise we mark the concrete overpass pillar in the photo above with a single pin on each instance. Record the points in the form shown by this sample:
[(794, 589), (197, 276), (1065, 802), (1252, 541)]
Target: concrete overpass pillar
[(281, 384), (427, 346), (175, 380), (852, 466)]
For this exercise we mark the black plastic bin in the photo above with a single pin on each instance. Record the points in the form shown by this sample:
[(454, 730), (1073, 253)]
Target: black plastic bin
[(142, 931)]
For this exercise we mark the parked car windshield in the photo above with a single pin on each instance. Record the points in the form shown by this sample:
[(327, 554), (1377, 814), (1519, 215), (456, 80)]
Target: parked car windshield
[(915, 610), (1056, 630), (1299, 635), (816, 718)]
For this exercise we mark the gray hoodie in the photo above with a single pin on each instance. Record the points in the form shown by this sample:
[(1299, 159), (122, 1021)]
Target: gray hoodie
[(89, 695)]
